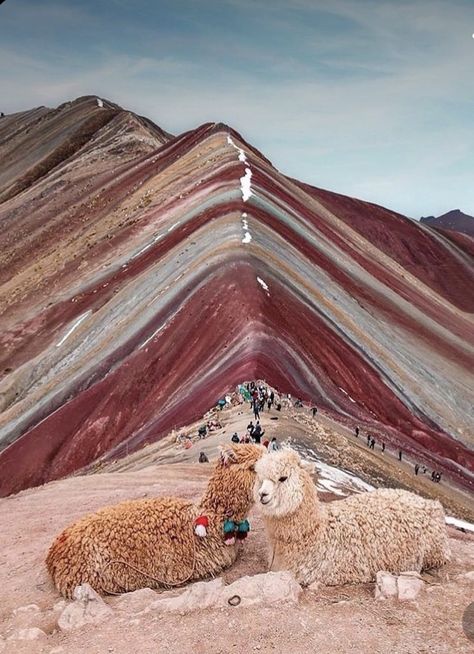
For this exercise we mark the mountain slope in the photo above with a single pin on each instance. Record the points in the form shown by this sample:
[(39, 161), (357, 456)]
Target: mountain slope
[(135, 292), (454, 220)]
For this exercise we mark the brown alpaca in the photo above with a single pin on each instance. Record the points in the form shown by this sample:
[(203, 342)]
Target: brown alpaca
[(155, 543)]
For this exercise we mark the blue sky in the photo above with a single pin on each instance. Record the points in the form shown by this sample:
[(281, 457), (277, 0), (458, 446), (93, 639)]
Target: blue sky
[(371, 98)]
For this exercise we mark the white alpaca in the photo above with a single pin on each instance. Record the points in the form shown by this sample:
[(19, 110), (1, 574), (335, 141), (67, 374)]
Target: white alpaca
[(346, 541)]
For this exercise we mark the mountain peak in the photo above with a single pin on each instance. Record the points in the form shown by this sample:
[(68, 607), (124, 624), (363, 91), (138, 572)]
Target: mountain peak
[(454, 220), (143, 275)]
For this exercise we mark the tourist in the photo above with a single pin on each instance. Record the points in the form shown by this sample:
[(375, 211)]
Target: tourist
[(400, 455), (383, 447), (357, 431), (258, 433), (417, 468), (203, 457), (273, 445), (235, 437), (256, 411), (314, 410)]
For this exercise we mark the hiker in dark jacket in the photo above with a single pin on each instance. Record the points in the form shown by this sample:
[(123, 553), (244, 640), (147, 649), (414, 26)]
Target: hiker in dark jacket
[(203, 457), (258, 432), (235, 437), (256, 411)]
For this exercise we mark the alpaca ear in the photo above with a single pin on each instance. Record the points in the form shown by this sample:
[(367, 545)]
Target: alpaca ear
[(227, 456)]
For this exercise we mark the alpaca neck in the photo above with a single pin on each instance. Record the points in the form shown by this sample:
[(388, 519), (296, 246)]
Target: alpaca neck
[(227, 496)]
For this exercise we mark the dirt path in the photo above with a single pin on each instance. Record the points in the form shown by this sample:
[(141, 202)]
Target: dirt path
[(333, 442)]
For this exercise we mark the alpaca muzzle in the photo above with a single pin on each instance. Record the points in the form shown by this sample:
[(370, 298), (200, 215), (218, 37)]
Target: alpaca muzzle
[(264, 498)]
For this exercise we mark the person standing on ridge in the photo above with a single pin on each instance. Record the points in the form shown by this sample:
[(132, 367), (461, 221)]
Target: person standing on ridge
[(258, 433), (273, 445), (256, 411)]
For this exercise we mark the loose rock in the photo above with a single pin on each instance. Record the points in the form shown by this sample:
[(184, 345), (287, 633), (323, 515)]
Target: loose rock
[(88, 608), (405, 587), (409, 586), (27, 634), (136, 600), (385, 585), (29, 608), (264, 589)]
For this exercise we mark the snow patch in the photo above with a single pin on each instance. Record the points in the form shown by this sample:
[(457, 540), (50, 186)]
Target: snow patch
[(246, 185), (346, 393), (460, 524), (74, 326), (331, 479), (100, 103), (246, 179), (245, 226), (262, 283), (242, 156), (145, 247), (153, 335)]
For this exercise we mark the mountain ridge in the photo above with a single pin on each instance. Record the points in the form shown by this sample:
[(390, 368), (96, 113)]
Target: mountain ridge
[(132, 299)]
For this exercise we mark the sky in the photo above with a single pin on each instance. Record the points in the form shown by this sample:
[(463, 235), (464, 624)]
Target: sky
[(369, 98)]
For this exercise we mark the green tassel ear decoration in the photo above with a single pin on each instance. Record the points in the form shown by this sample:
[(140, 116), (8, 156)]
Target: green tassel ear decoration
[(229, 526), (244, 526)]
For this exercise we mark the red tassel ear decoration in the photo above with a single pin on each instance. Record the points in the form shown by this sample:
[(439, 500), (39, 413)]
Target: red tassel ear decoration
[(200, 526)]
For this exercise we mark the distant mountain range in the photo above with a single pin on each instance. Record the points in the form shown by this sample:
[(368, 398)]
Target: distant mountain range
[(455, 220)]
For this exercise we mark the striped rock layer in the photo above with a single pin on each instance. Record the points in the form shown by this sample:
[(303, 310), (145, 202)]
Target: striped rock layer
[(141, 276)]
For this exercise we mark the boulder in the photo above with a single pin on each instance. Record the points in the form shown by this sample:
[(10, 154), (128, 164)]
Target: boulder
[(385, 585), (88, 608), (201, 595), (264, 589)]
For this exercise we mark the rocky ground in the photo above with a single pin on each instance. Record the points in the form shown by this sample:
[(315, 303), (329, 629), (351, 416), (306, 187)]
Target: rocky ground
[(326, 620)]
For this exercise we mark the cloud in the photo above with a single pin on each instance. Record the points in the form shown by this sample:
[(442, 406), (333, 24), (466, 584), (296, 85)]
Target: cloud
[(376, 102)]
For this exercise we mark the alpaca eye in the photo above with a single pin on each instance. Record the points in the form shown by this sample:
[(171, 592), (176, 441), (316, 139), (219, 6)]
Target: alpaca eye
[(283, 478)]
